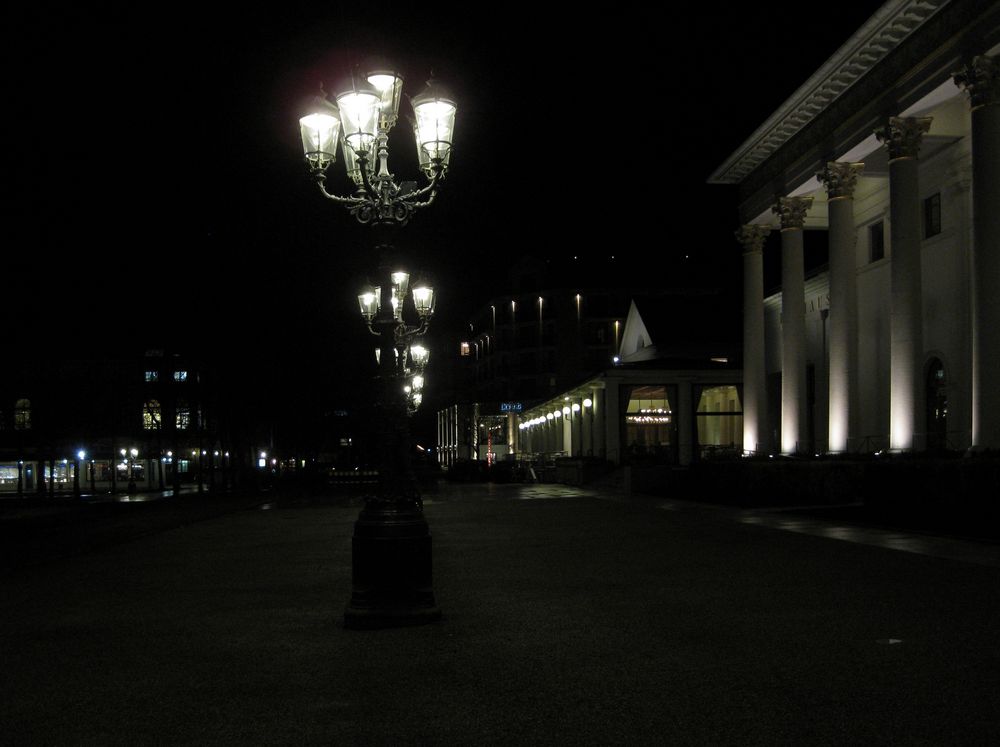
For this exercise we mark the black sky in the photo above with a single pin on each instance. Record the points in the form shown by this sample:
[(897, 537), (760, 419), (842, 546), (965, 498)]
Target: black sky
[(157, 193)]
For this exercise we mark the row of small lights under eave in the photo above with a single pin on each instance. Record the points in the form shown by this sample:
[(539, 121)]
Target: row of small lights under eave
[(567, 410)]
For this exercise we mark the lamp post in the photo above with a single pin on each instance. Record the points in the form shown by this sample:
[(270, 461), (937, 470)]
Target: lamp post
[(129, 460), (391, 547)]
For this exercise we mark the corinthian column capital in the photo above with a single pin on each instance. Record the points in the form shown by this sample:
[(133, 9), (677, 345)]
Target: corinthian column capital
[(902, 136), (981, 80), (752, 236), (840, 178), (792, 211)]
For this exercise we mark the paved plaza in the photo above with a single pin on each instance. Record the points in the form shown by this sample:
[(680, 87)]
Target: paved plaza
[(570, 617)]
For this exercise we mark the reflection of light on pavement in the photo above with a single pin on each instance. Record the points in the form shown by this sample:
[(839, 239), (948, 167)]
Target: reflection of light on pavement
[(942, 547)]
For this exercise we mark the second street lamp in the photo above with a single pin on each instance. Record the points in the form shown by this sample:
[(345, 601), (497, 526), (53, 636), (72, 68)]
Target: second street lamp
[(391, 547)]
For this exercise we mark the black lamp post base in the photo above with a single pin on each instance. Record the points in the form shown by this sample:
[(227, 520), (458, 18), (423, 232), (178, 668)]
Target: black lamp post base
[(391, 569)]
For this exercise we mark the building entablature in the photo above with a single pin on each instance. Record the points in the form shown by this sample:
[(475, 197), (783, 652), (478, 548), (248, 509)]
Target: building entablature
[(901, 63)]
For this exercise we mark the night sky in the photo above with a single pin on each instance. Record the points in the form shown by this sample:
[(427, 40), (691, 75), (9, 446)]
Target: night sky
[(156, 194)]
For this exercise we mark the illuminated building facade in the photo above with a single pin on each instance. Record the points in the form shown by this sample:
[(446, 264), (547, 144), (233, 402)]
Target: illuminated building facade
[(666, 391), (672, 396), (893, 149), (95, 426)]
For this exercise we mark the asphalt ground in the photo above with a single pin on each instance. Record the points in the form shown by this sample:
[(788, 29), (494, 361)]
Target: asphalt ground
[(570, 617)]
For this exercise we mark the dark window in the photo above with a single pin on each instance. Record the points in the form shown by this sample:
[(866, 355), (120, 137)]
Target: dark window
[(876, 242), (932, 215)]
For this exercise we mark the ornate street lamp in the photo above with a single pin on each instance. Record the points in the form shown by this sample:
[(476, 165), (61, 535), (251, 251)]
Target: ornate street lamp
[(391, 579), (365, 112)]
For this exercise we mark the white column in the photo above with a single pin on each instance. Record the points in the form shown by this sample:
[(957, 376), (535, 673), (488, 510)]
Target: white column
[(981, 79), (792, 211), (840, 180), (686, 425), (611, 421), (902, 137), (599, 429), (754, 376)]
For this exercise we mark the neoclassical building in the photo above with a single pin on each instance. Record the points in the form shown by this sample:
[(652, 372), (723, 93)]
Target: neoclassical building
[(893, 148)]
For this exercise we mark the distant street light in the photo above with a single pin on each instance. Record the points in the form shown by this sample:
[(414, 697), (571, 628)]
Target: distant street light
[(392, 542)]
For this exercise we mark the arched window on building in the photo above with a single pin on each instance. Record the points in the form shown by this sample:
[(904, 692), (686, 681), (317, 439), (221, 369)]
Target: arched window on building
[(22, 415), (937, 405), (152, 415)]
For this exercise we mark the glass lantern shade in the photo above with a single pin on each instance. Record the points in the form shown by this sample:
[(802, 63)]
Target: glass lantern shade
[(390, 87), (419, 355), (351, 164), (359, 107), (423, 300), (320, 129), (401, 281), (424, 157), (434, 110), (369, 302), (418, 383)]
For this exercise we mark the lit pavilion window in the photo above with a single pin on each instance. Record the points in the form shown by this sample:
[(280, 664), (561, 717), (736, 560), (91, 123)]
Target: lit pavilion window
[(720, 419), (22, 415), (152, 415)]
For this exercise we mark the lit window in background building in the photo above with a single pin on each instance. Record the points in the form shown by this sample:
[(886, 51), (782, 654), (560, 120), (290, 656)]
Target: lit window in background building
[(464, 349), (152, 419), (22, 415), (152, 376), (183, 419), (180, 375)]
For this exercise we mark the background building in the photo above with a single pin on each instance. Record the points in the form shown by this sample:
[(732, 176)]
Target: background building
[(152, 421), (893, 149)]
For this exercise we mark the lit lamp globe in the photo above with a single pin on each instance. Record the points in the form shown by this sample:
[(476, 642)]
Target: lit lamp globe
[(320, 129), (400, 284), (359, 110), (389, 85), (434, 127), (419, 355), (369, 301), (423, 300)]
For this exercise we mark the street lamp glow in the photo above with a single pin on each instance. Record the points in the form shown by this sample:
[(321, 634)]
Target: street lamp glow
[(400, 282), (435, 112), (369, 301), (390, 88), (588, 402), (81, 454), (575, 407), (359, 109), (423, 300), (565, 411), (420, 355), (320, 129)]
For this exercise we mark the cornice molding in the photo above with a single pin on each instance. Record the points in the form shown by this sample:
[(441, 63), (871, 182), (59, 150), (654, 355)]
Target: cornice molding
[(891, 25)]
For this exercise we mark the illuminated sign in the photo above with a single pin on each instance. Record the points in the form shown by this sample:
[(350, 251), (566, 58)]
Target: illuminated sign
[(511, 407)]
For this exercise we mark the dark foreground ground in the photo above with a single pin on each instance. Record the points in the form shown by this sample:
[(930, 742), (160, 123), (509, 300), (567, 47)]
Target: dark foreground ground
[(570, 617)]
